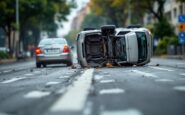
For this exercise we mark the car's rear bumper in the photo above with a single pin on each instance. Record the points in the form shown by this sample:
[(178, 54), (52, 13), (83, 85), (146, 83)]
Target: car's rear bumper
[(54, 59)]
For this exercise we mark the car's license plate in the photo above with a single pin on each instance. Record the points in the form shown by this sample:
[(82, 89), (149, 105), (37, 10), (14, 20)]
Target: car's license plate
[(52, 51)]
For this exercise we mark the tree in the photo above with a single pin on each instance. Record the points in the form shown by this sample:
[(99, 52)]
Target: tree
[(34, 14), (113, 10), (180, 0), (93, 21), (7, 19)]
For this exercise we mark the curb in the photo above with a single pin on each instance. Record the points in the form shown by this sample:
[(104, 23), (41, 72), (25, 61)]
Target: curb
[(178, 57), (5, 61)]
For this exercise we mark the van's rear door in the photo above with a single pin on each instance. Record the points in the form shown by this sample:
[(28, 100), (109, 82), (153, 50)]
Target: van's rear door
[(131, 47)]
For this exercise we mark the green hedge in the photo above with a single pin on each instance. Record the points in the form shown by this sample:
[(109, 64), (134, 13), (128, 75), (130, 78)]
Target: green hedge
[(4, 55), (163, 43)]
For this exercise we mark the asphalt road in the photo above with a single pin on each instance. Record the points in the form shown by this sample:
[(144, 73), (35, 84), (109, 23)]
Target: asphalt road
[(154, 89)]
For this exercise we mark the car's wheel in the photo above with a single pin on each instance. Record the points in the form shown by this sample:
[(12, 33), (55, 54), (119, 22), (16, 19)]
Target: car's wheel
[(69, 64), (44, 65), (38, 65)]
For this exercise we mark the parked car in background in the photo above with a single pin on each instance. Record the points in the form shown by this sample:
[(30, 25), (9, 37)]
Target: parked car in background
[(53, 51), (122, 47)]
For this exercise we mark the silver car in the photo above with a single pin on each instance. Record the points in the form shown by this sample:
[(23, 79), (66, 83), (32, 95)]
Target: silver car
[(53, 51)]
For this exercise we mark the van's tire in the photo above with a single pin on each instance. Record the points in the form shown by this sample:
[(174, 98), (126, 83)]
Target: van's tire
[(38, 65), (44, 65)]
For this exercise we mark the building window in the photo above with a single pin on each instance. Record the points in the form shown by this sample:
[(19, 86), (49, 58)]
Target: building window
[(168, 15), (181, 9), (175, 12)]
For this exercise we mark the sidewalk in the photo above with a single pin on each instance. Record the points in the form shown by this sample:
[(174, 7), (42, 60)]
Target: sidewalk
[(179, 57), (5, 61), (9, 61)]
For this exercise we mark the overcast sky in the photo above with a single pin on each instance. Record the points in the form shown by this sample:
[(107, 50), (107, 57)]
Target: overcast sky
[(66, 25)]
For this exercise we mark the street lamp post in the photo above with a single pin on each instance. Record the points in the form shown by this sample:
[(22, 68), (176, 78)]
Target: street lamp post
[(129, 13), (17, 46)]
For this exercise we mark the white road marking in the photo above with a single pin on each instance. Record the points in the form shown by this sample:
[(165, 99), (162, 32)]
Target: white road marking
[(88, 108), (179, 88), (74, 99), (61, 77), (13, 80), (7, 71), (4, 114), (124, 112), (107, 81), (98, 77), (164, 80), (37, 72), (111, 91), (107, 75), (28, 74), (145, 74), (164, 69), (52, 83), (36, 94), (183, 74)]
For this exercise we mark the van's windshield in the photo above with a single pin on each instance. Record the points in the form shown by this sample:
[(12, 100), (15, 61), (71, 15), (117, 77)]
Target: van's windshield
[(142, 46)]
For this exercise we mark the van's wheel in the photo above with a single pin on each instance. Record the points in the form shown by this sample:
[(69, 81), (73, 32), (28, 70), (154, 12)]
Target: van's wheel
[(44, 65), (38, 65)]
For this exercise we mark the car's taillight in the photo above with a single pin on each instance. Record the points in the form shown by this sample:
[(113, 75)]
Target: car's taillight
[(38, 51), (66, 49)]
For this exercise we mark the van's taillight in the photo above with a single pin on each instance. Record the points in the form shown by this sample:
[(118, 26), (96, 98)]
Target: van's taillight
[(38, 51), (66, 49)]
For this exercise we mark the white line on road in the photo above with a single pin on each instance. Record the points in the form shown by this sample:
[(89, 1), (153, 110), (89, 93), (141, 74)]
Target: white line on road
[(179, 88), (98, 77), (183, 74), (145, 74), (52, 83), (159, 68), (74, 99), (7, 71), (88, 108), (111, 91), (62, 77), (164, 80), (107, 81), (36, 94), (13, 80), (123, 112), (37, 72), (28, 74), (4, 114)]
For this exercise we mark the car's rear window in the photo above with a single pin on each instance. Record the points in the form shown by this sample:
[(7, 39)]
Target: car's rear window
[(52, 41)]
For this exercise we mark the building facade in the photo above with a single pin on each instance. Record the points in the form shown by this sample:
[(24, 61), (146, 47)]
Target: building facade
[(171, 9)]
